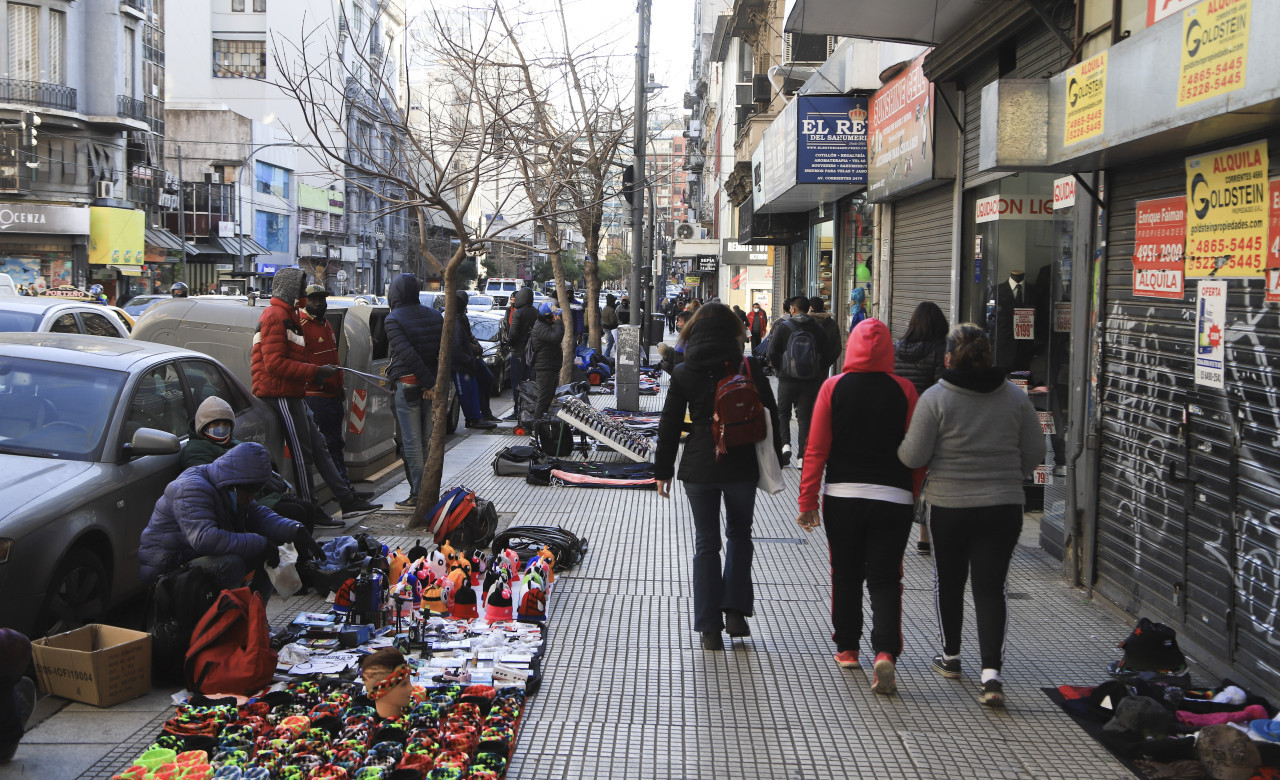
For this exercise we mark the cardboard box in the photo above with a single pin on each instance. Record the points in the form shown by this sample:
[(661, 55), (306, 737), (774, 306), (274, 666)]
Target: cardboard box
[(98, 665)]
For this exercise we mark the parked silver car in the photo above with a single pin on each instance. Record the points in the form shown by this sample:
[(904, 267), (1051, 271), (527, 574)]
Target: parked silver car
[(90, 431), (49, 314)]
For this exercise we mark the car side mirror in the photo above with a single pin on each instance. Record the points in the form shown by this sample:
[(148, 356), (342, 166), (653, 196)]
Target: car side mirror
[(149, 441)]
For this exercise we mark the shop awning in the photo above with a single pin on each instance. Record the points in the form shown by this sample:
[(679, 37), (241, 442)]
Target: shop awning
[(231, 246), (163, 239), (926, 22)]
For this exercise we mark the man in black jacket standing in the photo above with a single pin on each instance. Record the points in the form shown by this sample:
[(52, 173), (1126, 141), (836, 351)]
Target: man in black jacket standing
[(413, 336), (798, 384), (520, 320), (548, 337)]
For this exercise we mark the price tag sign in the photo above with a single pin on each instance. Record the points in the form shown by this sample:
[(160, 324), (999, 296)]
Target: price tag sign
[(1046, 422), (1024, 323), (1062, 317), (1043, 476), (1020, 383)]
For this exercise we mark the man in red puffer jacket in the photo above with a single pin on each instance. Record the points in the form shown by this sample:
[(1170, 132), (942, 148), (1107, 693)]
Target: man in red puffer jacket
[(282, 370)]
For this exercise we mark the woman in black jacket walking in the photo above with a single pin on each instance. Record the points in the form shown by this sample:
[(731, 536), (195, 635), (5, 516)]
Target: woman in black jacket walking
[(918, 358), (713, 344), (547, 336)]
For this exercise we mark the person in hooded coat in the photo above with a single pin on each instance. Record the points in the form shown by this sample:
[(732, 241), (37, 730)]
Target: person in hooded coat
[(835, 339), (918, 357), (981, 438), (713, 344), (282, 370), (609, 322), (470, 375), (207, 518), (548, 356), (859, 418), (520, 319), (414, 333)]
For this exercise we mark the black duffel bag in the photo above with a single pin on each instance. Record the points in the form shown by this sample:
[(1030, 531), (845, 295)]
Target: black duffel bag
[(555, 437), (515, 461)]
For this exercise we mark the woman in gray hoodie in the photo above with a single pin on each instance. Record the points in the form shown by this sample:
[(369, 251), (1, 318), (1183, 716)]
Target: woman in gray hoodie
[(980, 437)]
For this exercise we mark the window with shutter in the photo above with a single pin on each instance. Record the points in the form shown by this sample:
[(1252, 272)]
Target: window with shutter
[(24, 42), (129, 48), (57, 47)]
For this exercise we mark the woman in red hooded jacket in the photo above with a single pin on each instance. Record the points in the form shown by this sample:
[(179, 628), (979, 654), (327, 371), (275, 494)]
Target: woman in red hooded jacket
[(859, 419)]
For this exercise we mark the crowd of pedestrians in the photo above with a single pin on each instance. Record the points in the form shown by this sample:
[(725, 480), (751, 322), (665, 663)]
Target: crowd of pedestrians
[(924, 430)]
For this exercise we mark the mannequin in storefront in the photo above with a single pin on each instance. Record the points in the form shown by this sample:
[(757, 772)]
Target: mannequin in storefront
[(1016, 293)]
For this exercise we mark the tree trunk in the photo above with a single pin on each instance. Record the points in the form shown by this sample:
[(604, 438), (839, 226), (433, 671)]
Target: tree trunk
[(592, 302), (566, 309), (433, 463)]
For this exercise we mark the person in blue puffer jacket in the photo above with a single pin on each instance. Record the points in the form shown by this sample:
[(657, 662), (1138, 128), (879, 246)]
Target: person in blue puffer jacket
[(207, 518)]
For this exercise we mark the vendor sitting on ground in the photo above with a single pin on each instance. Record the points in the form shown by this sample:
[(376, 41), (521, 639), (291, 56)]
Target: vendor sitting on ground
[(387, 682), (207, 518), (212, 437)]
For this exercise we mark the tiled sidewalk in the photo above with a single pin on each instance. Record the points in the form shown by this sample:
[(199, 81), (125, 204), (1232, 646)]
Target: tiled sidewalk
[(628, 693)]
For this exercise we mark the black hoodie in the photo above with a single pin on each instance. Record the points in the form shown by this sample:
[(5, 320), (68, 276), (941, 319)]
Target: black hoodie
[(520, 320), (709, 355), (413, 333)]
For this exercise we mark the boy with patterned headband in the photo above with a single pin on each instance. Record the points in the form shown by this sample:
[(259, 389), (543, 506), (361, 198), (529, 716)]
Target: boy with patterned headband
[(387, 681)]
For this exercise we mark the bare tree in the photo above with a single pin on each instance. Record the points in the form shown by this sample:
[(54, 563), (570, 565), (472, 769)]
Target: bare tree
[(357, 126)]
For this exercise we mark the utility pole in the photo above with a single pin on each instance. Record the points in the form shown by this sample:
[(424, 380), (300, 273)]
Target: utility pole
[(182, 223), (627, 381)]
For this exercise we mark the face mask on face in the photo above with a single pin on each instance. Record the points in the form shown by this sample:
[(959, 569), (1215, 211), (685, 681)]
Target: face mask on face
[(317, 310), (218, 431)]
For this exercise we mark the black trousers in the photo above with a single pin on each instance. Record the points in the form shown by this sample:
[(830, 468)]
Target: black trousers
[(974, 543), (547, 384), (800, 395), (866, 540)]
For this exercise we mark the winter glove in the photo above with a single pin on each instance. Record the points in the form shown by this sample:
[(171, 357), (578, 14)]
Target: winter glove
[(308, 548), (324, 372), (272, 557)]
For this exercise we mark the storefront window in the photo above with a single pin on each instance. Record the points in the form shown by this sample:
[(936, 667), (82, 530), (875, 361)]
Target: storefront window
[(822, 264), (798, 266), (857, 250), (272, 231)]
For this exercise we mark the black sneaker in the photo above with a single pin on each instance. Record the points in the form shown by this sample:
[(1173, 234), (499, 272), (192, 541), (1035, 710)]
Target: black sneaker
[(991, 694), (511, 417), (363, 495), (408, 503), (356, 506), (711, 640), (735, 623), (492, 419), (483, 425), (329, 522), (947, 668)]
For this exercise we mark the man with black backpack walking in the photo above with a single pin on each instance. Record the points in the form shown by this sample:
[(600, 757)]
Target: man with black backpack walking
[(801, 354)]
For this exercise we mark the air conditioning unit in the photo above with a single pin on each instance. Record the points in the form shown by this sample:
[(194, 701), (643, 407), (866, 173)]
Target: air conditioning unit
[(742, 95), (690, 101), (106, 190), (213, 178), (801, 48), (761, 89)]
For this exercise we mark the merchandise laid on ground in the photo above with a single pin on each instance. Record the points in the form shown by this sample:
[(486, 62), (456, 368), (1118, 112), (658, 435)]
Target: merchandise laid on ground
[(634, 442), (470, 628)]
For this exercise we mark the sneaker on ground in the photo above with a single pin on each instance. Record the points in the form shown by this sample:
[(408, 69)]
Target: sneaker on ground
[(492, 419), (363, 495), (408, 503), (354, 505), (848, 659), (483, 425), (949, 668), (330, 522), (885, 681), (735, 624), (511, 417), (991, 694), (711, 640)]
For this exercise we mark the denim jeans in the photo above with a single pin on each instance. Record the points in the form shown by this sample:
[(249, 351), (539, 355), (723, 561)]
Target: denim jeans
[(330, 415), (413, 420), (610, 342), (715, 590), (519, 371)]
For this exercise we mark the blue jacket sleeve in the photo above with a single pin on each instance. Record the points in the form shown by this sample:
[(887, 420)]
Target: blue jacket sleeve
[(280, 530)]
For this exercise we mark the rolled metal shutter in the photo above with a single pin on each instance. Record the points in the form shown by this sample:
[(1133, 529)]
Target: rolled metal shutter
[(921, 255), (1199, 555)]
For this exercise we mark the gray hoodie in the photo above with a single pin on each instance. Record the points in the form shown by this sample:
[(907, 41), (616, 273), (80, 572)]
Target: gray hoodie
[(980, 437)]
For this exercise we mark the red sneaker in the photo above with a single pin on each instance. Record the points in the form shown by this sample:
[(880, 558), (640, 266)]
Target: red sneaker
[(848, 659), (885, 681)]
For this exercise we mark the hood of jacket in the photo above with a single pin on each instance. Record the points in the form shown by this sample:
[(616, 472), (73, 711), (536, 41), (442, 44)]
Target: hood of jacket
[(979, 380), (819, 316), (870, 348), (523, 297), (244, 464), (711, 344), (916, 351), (403, 291), (287, 284)]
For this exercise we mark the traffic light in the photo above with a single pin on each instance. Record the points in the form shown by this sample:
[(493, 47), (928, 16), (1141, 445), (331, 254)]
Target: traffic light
[(629, 184), (28, 140)]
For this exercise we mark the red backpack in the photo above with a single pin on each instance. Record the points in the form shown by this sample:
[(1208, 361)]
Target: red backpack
[(738, 417), (231, 647)]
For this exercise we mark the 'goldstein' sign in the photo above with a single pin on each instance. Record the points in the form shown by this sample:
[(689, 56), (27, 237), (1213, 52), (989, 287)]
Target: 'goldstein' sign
[(832, 140)]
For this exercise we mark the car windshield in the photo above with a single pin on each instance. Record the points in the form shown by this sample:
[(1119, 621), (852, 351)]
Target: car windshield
[(509, 286), (484, 328), (480, 300), (141, 303), (19, 321), (55, 410)]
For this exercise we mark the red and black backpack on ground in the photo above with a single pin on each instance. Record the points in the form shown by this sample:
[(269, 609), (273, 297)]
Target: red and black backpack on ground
[(463, 518), (230, 648), (738, 417)]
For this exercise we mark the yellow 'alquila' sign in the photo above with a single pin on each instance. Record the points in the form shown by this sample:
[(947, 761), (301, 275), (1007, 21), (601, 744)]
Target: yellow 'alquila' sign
[(1215, 49), (1227, 212), (1086, 99)]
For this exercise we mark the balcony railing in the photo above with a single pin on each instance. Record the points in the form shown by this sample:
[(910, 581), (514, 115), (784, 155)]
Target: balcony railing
[(130, 108), (37, 93), (137, 5)]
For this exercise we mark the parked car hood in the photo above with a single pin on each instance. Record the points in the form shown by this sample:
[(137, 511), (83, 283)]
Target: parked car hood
[(26, 480)]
